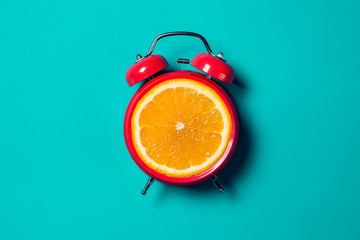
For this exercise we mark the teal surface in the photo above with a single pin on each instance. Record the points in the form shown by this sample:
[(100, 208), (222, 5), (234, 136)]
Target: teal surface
[(65, 172)]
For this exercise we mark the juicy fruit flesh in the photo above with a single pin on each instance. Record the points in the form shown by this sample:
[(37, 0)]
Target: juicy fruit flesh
[(179, 130)]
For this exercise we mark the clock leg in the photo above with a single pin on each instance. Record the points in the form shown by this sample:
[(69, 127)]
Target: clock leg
[(215, 180), (148, 184)]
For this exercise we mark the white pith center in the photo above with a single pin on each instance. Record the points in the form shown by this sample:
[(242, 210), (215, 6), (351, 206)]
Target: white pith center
[(179, 126)]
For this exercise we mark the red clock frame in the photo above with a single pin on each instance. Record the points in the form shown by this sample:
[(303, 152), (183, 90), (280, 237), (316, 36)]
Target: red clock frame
[(223, 159)]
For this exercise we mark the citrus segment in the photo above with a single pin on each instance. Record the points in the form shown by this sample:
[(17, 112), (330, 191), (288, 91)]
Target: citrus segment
[(151, 116)]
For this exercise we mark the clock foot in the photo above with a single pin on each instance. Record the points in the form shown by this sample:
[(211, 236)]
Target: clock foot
[(215, 180), (148, 184)]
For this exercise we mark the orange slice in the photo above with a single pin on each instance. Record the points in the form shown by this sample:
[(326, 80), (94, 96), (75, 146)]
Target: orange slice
[(181, 127)]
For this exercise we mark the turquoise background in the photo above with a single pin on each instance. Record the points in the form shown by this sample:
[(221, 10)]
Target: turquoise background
[(65, 172)]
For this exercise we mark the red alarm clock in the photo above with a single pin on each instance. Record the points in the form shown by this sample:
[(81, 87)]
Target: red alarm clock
[(181, 127)]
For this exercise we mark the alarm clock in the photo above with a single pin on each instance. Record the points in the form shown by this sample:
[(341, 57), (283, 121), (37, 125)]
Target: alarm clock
[(181, 127)]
